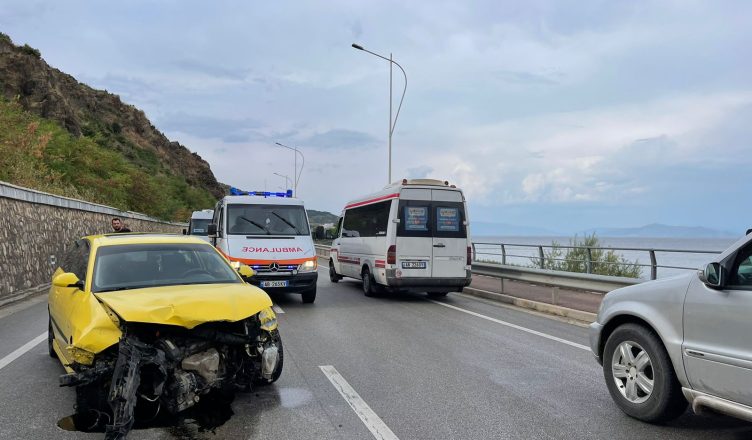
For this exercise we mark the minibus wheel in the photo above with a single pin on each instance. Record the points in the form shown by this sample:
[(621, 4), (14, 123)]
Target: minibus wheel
[(333, 277), (369, 285)]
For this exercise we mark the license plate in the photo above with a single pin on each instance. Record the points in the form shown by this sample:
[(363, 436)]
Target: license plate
[(413, 264), (274, 284)]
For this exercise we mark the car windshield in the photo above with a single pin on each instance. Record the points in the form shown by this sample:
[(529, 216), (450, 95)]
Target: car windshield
[(266, 220), (200, 226), (136, 266)]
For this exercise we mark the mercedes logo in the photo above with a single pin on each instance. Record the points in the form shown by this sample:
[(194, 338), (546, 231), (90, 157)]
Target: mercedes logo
[(274, 267)]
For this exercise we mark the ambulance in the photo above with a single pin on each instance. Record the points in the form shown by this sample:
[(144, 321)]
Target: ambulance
[(411, 236), (269, 232)]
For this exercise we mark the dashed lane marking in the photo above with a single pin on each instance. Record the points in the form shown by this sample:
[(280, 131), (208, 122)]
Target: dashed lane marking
[(277, 309), (20, 351), (514, 326), (369, 418)]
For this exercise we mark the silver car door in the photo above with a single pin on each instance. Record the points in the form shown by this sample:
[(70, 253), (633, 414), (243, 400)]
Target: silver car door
[(717, 347)]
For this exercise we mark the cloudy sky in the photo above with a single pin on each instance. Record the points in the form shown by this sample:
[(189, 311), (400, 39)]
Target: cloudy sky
[(562, 115)]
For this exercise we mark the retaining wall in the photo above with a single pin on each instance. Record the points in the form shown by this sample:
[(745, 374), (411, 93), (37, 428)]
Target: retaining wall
[(36, 227)]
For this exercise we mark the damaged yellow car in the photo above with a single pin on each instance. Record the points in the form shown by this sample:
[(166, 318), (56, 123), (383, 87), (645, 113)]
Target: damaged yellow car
[(156, 323)]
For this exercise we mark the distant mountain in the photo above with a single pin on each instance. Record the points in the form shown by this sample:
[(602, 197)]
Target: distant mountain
[(505, 229), (321, 217), (660, 230)]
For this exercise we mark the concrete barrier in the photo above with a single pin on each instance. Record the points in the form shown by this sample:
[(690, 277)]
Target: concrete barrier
[(37, 227)]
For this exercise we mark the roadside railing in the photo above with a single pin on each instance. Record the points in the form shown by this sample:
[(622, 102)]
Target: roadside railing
[(503, 253)]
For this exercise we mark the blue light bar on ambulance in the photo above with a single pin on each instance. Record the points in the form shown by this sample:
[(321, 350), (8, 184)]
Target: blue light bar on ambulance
[(238, 192)]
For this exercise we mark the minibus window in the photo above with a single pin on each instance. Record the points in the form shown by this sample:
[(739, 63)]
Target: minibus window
[(449, 220), (414, 218), (367, 221)]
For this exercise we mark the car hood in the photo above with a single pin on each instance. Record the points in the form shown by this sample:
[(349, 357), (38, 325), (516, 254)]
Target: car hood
[(187, 305)]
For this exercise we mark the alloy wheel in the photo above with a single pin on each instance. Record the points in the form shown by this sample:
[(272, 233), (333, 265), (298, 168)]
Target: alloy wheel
[(633, 372)]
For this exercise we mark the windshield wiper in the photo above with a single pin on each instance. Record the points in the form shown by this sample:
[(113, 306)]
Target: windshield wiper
[(288, 223), (256, 224), (117, 289)]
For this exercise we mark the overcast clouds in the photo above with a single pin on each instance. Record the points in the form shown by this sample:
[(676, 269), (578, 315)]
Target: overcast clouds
[(555, 114)]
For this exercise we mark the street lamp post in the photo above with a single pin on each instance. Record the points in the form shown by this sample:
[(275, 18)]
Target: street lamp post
[(392, 123), (297, 173), (287, 179)]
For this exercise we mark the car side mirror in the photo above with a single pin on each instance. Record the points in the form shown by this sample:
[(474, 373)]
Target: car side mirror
[(68, 279), (712, 276), (212, 230), (244, 270)]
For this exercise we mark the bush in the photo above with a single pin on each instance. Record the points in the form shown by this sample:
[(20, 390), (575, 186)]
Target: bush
[(31, 51), (575, 258)]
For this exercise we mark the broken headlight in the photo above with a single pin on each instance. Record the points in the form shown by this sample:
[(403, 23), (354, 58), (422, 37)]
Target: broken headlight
[(268, 319), (81, 356)]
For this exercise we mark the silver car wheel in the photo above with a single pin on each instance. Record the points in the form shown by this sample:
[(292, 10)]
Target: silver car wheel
[(633, 372)]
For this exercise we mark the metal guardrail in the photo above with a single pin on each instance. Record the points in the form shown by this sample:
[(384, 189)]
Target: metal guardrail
[(572, 280), (322, 251), (556, 278), (15, 192), (481, 249)]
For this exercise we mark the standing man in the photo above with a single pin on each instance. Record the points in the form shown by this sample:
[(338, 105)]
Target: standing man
[(118, 226)]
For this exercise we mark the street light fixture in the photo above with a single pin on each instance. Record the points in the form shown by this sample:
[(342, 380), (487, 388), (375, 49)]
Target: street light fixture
[(287, 180), (297, 173), (392, 123)]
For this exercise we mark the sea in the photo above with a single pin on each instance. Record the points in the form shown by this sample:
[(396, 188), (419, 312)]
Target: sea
[(687, 261)]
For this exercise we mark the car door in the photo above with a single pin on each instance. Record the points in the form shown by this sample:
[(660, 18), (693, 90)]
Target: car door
[(62, 302), (414, 234), (450, 234), (717, 346)]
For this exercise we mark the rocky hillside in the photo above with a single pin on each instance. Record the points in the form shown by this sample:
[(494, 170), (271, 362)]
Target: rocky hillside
[(28, 84)]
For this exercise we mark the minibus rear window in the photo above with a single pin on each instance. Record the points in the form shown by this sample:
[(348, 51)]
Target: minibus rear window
[(421, 218)]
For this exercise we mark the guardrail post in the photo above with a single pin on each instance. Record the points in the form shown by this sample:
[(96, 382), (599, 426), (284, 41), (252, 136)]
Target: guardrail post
[(589, 260), (653, 265), (555, 295), (540, 255), (503, 254), (475, 256)]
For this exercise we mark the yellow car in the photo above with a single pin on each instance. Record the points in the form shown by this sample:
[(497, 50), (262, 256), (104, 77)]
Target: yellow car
[(157, 322)]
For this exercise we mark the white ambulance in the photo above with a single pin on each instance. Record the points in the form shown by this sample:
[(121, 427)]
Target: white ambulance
[(269, 232), (410, 236), (199, 224)]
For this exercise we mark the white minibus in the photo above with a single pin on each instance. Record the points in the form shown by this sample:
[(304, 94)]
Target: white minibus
[(411, 236), (199, 224)]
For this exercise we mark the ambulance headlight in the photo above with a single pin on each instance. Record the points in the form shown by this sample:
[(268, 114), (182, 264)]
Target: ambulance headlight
[(308, 266)]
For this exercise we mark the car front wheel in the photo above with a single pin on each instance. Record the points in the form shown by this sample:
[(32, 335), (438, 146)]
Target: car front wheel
[(640, 376)]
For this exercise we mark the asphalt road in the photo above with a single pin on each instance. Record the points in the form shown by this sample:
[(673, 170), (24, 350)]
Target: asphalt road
[(410, 368)]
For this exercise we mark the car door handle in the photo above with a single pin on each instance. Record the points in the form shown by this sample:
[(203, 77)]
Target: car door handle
[(440, 245)]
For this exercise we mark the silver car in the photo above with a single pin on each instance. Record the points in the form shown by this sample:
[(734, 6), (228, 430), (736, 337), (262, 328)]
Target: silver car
[(683, 339)]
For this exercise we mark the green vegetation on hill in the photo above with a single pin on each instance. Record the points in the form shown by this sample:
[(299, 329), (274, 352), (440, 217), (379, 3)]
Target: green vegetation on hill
[(40, 154), (321, 217)]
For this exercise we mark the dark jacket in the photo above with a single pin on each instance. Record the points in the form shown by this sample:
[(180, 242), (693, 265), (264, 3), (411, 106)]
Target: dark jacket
[(123, 229)]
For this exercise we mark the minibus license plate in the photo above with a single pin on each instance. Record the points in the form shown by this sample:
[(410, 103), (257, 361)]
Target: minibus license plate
[(274, 284), (413, 264)]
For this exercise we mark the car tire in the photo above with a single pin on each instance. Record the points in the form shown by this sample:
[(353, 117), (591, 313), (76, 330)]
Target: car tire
[(309, 296), (437, 294), (369, 284), (50, 339), (333, 277), (640, 376), (278, 371)]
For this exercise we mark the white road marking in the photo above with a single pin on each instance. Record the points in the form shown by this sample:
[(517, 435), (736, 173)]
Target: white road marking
[(277, 309), (20, 351), (514, 326), (369, 418)]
